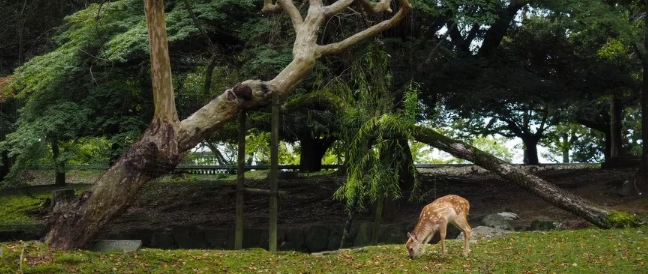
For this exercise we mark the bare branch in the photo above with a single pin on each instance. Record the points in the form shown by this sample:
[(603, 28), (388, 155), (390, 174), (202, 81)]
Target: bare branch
[(269, 7), (337, 7), (372, 31), (383, 5), (315, 3), (293, 12)]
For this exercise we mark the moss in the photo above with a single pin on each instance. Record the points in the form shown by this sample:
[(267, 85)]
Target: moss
[(623, 219)]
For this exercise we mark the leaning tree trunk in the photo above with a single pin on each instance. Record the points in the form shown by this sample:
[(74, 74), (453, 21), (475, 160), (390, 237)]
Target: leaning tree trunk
[(166, 139), (541, 188)]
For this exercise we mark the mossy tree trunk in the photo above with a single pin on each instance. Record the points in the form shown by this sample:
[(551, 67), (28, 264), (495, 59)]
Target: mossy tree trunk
[(539, 187), (166, 139)]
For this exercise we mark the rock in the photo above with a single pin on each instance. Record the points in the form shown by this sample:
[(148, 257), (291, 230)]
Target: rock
[(509, 215), (317, 238), (544, 225), (496, 221), (485, 232), (117, 245)]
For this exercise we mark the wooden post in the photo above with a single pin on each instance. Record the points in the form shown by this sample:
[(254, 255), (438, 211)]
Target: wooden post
[(240, 180), (274, 174)]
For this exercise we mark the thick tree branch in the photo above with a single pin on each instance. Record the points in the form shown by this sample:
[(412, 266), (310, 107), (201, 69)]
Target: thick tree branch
[(269, 7), (293, 13), (336, 7), (163, 96), (372, 31), (383, 5)]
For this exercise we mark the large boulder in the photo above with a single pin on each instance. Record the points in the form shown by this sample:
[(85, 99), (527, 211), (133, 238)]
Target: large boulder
[(544, 225), (496, 221), (485, 232)]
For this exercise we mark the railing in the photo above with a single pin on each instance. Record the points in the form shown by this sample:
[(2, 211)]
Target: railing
[(215, 169)]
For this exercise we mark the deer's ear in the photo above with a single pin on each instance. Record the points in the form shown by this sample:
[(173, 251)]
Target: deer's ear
[(409, 235)]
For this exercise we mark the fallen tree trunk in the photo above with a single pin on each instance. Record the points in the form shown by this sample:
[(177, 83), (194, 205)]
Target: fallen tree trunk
[(534, 184)]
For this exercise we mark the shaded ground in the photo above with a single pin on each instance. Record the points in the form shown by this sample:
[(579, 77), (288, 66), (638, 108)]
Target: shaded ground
[(212, 204)]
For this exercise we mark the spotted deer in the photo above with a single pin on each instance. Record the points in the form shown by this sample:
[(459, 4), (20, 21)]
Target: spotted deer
[(435, 217)]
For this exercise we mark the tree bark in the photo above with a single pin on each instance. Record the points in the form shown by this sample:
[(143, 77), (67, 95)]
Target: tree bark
[(5, 165), (565, 147), (274, 174), (312, 151), (240, 181), (640, 181), (530, 150), (166, 139), (539, 187), (616, 127), (59, 166)]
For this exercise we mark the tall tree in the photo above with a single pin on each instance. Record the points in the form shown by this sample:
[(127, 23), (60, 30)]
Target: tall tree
[(165, 140)]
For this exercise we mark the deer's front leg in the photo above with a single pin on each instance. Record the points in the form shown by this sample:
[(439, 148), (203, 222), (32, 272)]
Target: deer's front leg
[(442, 234)]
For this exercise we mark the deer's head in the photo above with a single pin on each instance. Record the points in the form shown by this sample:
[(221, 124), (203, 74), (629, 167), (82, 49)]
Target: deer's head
[(413, 246)]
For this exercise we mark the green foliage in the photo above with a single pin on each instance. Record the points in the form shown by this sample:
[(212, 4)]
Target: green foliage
[(257, 147), (374, 134), (621, 219), (368, 174), (577, 251), (573, 143)]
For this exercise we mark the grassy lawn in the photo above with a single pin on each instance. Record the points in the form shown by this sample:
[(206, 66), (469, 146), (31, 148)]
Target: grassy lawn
[(579, 251)]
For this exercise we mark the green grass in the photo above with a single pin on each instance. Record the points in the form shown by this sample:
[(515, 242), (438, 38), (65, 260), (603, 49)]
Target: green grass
[(17, 204), (15, 208), (579, 251)]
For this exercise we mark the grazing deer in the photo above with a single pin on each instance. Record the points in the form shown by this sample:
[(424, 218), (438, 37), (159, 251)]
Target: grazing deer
[(435, 217)]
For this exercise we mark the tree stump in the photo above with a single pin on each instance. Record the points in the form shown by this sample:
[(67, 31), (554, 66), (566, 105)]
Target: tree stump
[(61, 197)]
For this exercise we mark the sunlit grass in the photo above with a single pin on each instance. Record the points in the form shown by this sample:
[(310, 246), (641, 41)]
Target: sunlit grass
[(579, 251)]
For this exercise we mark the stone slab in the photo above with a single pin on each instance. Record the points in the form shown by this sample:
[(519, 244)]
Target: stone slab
[(117, 245)]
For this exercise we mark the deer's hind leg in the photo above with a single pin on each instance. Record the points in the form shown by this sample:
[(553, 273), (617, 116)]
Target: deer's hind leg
[(462, 223)]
